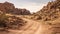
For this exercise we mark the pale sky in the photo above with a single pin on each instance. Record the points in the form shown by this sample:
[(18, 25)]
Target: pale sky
[(32, 5)]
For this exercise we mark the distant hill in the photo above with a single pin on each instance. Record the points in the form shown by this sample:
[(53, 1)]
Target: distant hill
[(10, 8)]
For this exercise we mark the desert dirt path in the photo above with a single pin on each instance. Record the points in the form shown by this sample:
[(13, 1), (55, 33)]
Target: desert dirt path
[(32, 27)]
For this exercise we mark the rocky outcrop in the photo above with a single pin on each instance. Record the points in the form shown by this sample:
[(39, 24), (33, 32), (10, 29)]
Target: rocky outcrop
[(10, 8), (49, 12), (21, 11), (6, 6)]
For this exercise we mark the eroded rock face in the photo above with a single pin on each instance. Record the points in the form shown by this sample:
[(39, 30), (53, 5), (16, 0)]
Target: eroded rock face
[(10, 8)]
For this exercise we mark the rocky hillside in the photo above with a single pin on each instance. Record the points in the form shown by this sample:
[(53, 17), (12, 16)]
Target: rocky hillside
[(49, 12), (10, 22), (10, 8)]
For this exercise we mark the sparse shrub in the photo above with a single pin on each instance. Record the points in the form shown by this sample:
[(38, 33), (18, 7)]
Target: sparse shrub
[(3, 19)]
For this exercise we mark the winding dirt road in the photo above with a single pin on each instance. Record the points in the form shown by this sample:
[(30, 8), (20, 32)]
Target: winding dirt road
[(32, 27)]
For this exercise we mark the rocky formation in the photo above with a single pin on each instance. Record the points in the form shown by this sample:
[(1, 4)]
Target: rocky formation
[(10, 8), (49, 12)]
